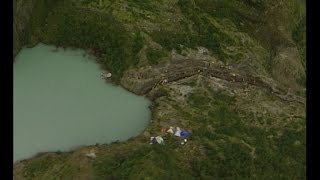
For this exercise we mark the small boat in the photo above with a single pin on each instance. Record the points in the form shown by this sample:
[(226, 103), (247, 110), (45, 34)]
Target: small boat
[(105, 75)]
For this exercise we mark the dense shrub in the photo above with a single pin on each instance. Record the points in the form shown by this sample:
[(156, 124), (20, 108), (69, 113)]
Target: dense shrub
[(103, 35)]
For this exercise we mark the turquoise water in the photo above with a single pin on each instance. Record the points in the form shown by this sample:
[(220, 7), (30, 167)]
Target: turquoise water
[(60, 103)]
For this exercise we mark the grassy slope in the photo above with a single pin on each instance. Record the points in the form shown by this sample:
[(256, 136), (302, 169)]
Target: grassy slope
[(225, 129), (227, 142)]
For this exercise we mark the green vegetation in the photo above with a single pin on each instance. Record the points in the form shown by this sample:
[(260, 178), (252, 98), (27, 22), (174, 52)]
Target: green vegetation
[(35, 168), (154, 55), (235, 10), (302, 81), (162, 92), (147, 161), (40, 11), (227, 141), (68, 25), (136, 47), (102, 34), (203, 33), (299, 36), (144, 4), (236, 150), (203, 24)]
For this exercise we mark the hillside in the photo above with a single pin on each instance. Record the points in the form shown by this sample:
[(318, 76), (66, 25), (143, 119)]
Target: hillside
[(235, 78)]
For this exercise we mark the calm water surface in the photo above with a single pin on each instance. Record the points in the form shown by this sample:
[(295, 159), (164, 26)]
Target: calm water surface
[(60, 103)]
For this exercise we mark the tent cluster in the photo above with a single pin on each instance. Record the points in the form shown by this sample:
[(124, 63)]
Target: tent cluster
[(171, 130), (178, 132)]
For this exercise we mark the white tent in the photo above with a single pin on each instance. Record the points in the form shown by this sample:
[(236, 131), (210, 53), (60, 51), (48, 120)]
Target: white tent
[(178, 131), (170, 130), (156, 140), (159, 140)]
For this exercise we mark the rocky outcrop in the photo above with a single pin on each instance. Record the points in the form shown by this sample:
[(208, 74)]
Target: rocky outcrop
[(27, 17), (22, 11)]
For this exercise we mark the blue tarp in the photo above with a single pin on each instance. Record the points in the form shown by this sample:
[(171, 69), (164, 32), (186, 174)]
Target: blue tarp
[(184, 134)]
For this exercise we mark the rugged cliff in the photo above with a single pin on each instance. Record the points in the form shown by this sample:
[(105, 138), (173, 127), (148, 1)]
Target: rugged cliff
[(28, 16), (231, 72)]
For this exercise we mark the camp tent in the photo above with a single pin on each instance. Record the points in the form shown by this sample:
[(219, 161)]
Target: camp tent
[(178, 131), (170, 130), (153, 140), (159, 140), (184, 134), (156, 140)]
